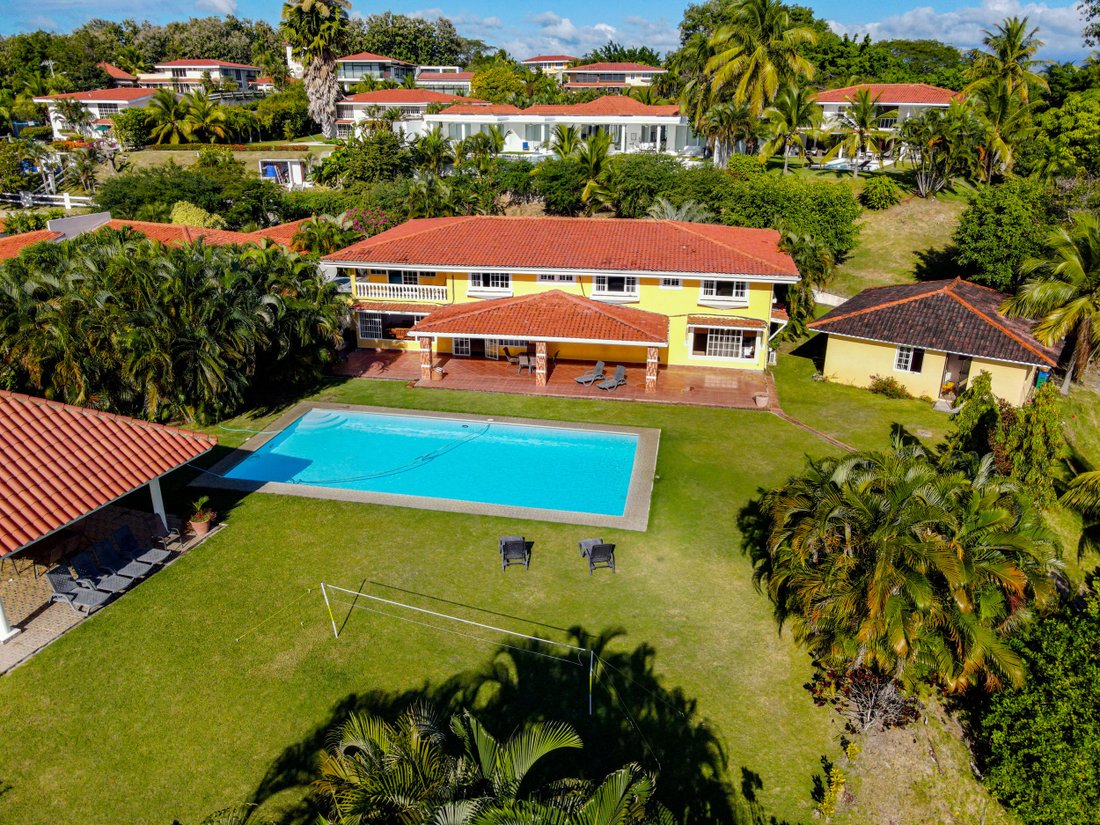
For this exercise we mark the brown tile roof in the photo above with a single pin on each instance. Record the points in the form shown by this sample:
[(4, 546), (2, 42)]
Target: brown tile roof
[(174, 233), (550, 58), (12, 245), (108, 95), (482, 109), (892, 93), (281, 234), (725, 321), (549, 316), (114, 72), (949, 316), (586, 244), (407, 96), (62, 462), (615, 67), (616, 105)]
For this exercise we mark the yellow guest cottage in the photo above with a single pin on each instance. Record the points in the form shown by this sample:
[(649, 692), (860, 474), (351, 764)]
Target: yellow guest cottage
[(657, 293)]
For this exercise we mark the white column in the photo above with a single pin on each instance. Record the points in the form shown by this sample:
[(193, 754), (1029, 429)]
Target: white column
[(660, 137), (623, 147), (6, 630), (158, 503)]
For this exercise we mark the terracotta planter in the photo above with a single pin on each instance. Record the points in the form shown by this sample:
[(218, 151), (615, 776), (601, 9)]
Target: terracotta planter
[(200, 528), (761, 400)]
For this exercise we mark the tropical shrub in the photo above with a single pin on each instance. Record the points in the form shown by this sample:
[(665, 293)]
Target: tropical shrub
[(28, 220), (132, 128), (888, 386), (560, 183), (880, 192), (637, 180), (285, 112), (12, 178), (380, 155), (36, 133), (1043, 739), (188, 214), (745, 166), (316, 201)]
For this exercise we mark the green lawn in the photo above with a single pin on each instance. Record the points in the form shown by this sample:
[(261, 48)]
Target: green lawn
[(153, 710)]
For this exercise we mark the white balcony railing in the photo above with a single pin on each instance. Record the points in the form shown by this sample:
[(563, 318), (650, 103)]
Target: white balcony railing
[(400, 292)]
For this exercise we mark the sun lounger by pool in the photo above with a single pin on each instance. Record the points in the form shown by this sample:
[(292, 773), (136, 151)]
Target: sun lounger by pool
[(599, 555), (131, 548), (592, 376), (616, 380), (514, 550), (72, 593), (89, 574), (109, 558)]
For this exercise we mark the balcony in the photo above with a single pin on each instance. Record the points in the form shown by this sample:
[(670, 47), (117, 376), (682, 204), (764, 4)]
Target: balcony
[(400, 292)]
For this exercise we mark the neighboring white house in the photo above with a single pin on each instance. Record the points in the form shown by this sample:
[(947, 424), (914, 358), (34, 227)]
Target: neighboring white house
[(353, 68), (908, 99), (100, 104), (187, 75), (633, 126), (449, 82), (553, 64), (610, 75), (411, 103)]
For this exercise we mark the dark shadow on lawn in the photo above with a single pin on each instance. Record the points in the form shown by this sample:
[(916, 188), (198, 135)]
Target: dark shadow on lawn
[(635, 719), (813, 348), (936, 264)]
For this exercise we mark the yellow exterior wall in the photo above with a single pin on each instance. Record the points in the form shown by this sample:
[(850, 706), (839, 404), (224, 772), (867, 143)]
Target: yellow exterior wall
[(675, 303), (852, 361), (1008, 381)]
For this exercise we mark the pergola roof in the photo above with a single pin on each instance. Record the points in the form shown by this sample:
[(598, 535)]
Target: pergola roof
[(547, 316), (61, 463)]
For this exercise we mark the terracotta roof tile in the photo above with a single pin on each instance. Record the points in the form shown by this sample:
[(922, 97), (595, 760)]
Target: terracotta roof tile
[(948, 316), (172, 233), (61, 462), (550, 58), (407, 96), (12, 245), (725, 321), (586, 244), (482, 109), (370, 57), (550, 316), (892, 93), (443, 77), (102, 94), (616, 105), (615, 67), (114, 72)]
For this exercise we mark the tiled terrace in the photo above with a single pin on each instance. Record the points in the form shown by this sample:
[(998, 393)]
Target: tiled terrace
[(697, 386), (25, 592)]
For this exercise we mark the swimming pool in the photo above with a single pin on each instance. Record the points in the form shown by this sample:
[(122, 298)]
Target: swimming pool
[(461, 459)]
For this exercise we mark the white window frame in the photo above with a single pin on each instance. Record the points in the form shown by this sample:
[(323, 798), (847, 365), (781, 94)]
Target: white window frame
[(629, 291), (904, 357), (364, 331), (560, 277), (672, 283), (460, 347), (107, 109), (708, 290), (738, 339), (494, 284)]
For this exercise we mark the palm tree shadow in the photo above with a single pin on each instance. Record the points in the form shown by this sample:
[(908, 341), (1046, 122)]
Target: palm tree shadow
[(634, 718)]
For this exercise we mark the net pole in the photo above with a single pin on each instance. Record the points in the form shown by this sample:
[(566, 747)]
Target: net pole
[(591, 673), (331, 618)]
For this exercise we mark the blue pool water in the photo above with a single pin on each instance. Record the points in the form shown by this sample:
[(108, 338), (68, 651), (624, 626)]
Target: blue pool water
[(524, 466)]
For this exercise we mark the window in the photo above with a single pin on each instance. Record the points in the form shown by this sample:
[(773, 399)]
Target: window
[(490, 280), (406, 278), (908, 359), (616, 285), (370, 325), (106, 109), (179, 72), (720, 342), (726, 290), (387, 326), (561, 278), (671, 283)]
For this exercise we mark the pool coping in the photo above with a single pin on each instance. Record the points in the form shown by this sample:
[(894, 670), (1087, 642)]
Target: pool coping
[(635, 514)]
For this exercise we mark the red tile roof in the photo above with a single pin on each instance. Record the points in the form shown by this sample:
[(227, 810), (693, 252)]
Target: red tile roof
[(370, 57), (203, 63), (424, 96), (174, 233), (443, 77), (947, 316), (551, 58), (482, 109), (114, 72), (127, 93), (281, 234), (596, 85), (610, 105), (725, 321), (12, 245), (615, 67), (892, 94), (62, 462), (587, 244), (549, 316), (394, 306)]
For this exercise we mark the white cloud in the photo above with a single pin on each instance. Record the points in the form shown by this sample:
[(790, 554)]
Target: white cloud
[(217, 6), (1059, 26)]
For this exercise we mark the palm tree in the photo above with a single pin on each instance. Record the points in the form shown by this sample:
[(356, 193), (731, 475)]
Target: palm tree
[(75, 114), (130, 59), (1062, 290), (725, 125), (758, 52), (1007, 119), (593, 155), (565, 141), (168, 117), (84, 167), (323, 235), (690, 65), (858, 124), (793, 112), (689, 211), (316, 31), (434, 150), (1083, 495), (1010, 59), (205, 119), (815, 264)]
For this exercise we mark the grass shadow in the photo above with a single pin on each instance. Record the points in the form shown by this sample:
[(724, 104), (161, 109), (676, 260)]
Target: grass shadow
[(812, 349), (634, 718), (937, 263)]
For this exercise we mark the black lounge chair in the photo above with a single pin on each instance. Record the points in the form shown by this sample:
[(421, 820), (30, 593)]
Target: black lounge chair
[(514, 550), (600, 555), (110, 559), (586, 545), (616, 380), (89, 574), (73, 593), (131, 548), (593, 375)]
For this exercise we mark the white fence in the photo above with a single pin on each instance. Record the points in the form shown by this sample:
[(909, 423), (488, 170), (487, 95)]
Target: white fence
[(30, 199), (400, 292)]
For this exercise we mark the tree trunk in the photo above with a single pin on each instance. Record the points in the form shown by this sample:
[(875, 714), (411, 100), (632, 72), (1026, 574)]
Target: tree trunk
[(786, 157), (1069, 377)]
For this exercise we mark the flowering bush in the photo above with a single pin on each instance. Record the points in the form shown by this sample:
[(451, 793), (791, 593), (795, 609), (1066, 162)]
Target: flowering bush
[(369, 220)]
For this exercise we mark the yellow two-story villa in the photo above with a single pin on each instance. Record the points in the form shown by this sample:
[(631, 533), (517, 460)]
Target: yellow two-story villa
[(619, 291)]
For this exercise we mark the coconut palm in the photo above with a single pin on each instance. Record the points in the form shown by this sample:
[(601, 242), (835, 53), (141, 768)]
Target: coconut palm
[(565, 141), (1010, 59), (858, 125), (757, 52), (593, 155), (168, 117), (815, 264), (323, 235), (316, 31), (689, 64), (789, 117), (689, 211), (130, 59), (205, 118), (75, 114), (1007, 121), (1062, 290), (84, 166), (1082, 494), (434, 151), (726, 125)]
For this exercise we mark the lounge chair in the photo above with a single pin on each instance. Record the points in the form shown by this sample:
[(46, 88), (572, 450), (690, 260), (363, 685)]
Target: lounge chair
[(72, 593), (514, 550), (131, 548), (615, 381), (109, 558), (593, 375), (586, 545), (89, 574), (600, 555)]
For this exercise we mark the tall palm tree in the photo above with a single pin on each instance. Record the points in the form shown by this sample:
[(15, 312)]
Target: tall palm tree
[(758, 52), (323, 235), (316, 31), (593, 155), (205, 119), (689, 63), (1007, 119), (1062, 290), (789, 117), (130, 59), (168, 117), (1010, 59), (565, 141), (725, 125), (815, 264), (434, 150), (75, 114), (858, 125)]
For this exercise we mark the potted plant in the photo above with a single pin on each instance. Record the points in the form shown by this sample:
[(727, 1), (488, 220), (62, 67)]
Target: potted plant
[(202, 516)]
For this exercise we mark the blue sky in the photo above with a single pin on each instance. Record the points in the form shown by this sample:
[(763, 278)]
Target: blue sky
[(575, 26)]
